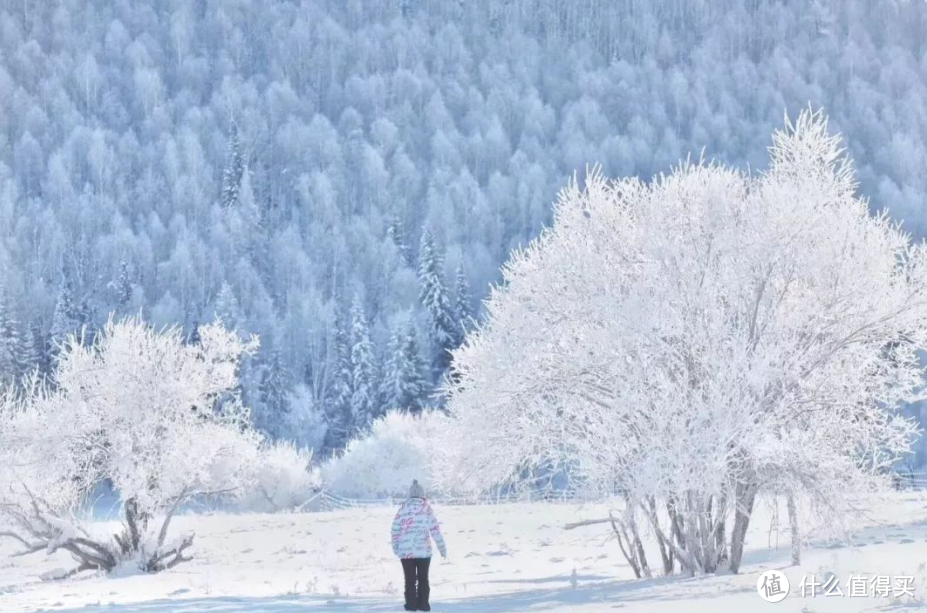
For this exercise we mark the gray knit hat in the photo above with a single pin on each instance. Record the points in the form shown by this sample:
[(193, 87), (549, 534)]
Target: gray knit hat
[(416, 491)]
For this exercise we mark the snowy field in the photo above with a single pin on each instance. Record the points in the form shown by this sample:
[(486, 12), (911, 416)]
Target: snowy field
[(513, 557)]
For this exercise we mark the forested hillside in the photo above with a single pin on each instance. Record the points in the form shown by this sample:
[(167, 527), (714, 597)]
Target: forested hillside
[(344, 178)]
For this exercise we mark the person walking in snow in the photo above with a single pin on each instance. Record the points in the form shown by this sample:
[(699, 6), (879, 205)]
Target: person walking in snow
[(414, 527)]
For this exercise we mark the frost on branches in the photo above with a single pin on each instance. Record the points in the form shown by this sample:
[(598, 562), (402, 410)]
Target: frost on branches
[(155, 417), (690, 342)]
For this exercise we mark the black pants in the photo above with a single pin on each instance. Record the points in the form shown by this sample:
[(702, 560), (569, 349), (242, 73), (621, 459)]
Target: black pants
[(416, 570)]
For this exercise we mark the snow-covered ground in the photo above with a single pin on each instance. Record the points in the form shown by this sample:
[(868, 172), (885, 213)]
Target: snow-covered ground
[(513, 557)]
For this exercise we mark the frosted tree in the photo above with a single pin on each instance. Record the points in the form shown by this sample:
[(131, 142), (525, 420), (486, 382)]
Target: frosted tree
[(404, 385), (434, 297), (338, 415), (275, 386), (688, 343), (123, 284), (66, 318), (364, 398), (227, 308), (10, 342), (463, 298), (234, 169), (32, 351), (397, 235), (305, 418), (245, 222), (136, 407)]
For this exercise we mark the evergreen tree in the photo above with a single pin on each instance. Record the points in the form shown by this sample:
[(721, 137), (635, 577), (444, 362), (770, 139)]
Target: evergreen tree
[(275, 385), (397, 235), (234, 169), (32, 353), (462, 301), (10, 342), (404, 382), (364, 401), (434, 297), (338, 405), (245, 222), (66, 319), (123, 284), (227, 308)]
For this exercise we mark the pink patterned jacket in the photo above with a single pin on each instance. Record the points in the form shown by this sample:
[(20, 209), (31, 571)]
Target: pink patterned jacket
[(414, 527)]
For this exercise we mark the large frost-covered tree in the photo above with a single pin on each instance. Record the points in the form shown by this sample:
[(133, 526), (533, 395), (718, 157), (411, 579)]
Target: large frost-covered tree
[(137, 408), (692, 341)]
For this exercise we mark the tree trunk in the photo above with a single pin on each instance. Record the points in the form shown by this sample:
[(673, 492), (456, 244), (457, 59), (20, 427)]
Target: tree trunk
[(745, 496), (136, 524), (666, 552), (639, 547), (794, 530), (677, 525), (720, 531), (627, 548)]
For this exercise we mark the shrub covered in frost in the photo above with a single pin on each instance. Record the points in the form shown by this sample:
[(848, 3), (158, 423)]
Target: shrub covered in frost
[(284, 478), (398, 448)]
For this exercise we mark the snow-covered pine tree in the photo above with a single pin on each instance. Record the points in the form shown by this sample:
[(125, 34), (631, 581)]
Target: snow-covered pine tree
[(245, 222), (234, 169), (463, 298), (123, 284), (338, 404), (275, 386), (65, 319), (10, 342), (364, 397), (227, 308), (404, 382), (397, 235), (433, 294), (32, 350)]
